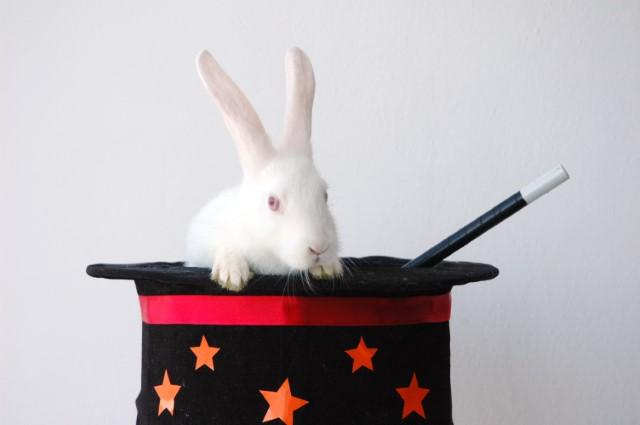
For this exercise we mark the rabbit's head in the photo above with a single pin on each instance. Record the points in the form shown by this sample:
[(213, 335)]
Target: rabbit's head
[(284, 196)]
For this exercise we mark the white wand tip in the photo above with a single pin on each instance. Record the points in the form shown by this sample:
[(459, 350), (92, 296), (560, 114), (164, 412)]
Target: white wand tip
[(544, 184)]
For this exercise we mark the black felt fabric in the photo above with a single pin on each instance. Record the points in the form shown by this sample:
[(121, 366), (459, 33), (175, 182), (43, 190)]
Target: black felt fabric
[(369, 276), (253, 358), (313, 358)]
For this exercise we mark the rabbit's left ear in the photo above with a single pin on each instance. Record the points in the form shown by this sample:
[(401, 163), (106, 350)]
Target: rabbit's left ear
[(252, 141), (301, 87)]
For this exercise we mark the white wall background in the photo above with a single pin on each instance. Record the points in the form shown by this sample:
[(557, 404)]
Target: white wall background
[(427, 114)]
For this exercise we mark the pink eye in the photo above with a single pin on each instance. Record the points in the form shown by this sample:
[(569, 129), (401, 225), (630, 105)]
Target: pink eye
[(274, 203)]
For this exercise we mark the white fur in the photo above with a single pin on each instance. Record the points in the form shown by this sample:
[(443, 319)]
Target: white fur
[(236, 233)]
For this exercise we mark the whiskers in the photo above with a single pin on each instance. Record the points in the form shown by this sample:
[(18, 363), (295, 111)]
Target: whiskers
[(297, 278), (348, 266), (285, 289), (306, 281), (298, 281)]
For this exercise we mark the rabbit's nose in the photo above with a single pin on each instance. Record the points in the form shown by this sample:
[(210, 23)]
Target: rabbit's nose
[(317, 252)]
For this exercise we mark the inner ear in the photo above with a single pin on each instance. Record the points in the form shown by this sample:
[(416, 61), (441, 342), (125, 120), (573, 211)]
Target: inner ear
[(300, 93), (252, 142)]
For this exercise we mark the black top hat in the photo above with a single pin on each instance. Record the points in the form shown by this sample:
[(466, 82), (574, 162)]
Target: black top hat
[(370, 348)]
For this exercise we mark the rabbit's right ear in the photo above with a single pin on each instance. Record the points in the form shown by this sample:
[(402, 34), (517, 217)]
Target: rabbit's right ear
[(252, 142), (301, 86)]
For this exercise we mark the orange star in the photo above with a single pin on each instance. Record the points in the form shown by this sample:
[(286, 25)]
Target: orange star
[(412, 397), (362, 356), (167, 393), (204, 354), (282, 404)]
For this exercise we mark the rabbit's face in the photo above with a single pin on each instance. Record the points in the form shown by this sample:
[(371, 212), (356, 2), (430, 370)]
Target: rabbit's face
[(292, 203)]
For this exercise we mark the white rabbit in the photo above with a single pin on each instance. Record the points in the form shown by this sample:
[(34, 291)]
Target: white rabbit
[(277, 221)]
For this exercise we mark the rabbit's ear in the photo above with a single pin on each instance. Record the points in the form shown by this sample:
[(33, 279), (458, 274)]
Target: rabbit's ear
[(301, 87), (254, 148)]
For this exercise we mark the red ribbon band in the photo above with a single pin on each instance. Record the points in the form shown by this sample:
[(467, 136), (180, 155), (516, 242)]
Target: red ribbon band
[(293, 310)]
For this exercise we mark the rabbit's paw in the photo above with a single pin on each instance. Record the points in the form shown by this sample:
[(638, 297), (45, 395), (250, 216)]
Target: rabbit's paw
[(231, 271), (327, 271)]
